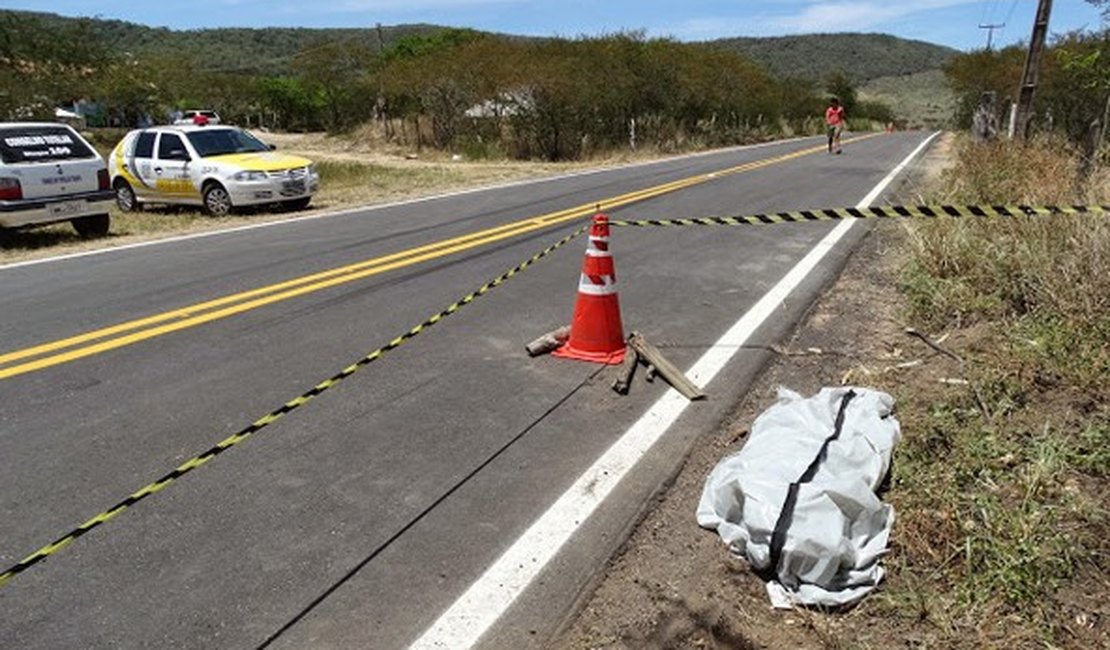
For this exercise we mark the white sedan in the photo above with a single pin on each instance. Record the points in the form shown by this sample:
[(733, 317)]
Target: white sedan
[(49, 173), (215, 167)]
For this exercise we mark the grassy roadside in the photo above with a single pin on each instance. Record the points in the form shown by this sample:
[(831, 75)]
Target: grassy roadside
[(1003, 502)]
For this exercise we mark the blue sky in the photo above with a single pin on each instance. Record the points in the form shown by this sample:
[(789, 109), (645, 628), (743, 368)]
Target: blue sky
[(950, 22)]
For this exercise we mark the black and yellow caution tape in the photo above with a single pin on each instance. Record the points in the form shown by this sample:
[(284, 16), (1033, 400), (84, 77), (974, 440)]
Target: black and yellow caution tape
[(801, 216), (271, 417), (887, 212)]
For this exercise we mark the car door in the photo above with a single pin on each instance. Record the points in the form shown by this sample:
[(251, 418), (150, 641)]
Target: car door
[(171, 168), (142, 164)]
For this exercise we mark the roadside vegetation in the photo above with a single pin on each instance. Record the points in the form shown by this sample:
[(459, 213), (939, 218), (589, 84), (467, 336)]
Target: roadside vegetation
[(1072, 91), (472, 93), (1002, 494), (1004, 502), (1003, 498), (1001, 483)]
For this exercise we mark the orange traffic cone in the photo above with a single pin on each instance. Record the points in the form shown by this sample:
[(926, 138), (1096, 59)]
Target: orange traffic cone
[(596, 333)]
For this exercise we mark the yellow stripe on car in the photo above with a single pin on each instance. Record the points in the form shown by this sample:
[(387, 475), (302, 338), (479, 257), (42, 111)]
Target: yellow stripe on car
[(261, 162)]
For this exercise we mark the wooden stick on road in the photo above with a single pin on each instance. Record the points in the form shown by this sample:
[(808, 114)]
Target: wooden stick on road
[(667, 370), (624, 379), (548, 342)]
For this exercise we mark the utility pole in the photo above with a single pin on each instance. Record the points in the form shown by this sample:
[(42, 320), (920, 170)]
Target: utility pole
[(1032, 69), (990, 32)]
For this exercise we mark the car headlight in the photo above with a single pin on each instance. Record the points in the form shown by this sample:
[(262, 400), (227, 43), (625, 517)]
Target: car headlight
[(249, 176), (312, 169)]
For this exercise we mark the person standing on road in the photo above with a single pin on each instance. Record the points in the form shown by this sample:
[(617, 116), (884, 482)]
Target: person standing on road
[(834, 120)]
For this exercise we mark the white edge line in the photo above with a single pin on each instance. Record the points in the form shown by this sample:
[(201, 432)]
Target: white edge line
[(491, 595), (386, 206)]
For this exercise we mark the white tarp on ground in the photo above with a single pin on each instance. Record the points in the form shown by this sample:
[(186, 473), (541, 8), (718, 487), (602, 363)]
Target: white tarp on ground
[(812, 482)]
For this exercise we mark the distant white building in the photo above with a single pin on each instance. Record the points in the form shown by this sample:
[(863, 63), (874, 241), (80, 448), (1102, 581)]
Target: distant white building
[(505, 105), (72, 118)]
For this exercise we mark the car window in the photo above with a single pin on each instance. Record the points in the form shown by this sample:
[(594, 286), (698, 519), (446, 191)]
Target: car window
[(217, 142), (144, 146), (46, 143), (208, 114), (170, 147)]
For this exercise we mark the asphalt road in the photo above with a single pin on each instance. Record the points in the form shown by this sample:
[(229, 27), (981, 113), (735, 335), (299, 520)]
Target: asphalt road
[(330, 528)]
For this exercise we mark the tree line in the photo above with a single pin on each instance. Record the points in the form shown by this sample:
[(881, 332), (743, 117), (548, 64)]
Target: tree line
[(1072, 93), (452, 89)]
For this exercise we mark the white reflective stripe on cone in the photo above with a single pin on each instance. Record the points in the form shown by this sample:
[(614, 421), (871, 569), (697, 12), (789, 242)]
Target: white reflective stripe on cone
[(607, 288)]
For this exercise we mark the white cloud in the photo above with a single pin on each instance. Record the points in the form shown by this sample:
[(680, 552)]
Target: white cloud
[(393, 5), (853, 15), (803, 16)]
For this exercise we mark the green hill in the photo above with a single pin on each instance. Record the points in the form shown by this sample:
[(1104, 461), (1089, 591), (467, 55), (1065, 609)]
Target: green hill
[(265, 51), (269, 50), (922, 99), (861, 57)]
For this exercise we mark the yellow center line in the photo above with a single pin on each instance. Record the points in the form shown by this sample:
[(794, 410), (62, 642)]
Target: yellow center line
[(186, 312), (223, 307)]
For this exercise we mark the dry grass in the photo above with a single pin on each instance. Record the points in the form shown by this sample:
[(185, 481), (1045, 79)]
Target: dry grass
[(1046, 279), (348, 182), (1003, 498)]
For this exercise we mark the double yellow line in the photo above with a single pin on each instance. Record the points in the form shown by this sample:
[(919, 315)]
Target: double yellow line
[(94, 342)]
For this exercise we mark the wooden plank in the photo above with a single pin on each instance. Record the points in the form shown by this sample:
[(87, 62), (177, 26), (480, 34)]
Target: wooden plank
[(667, 370)]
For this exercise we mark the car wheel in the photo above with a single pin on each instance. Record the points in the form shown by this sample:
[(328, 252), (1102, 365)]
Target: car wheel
[(217, 202), (125, 197), (297, 204), (92, 226)]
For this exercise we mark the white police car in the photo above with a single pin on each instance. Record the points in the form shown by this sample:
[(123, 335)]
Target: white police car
[(215, 167), (48, 174)]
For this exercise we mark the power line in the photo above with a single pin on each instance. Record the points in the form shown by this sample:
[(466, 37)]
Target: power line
[(985, 14), (1010, 13), (990, 11)]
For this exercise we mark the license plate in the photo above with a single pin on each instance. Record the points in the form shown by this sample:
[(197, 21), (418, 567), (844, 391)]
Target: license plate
[(293, 187), (66, 208)]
